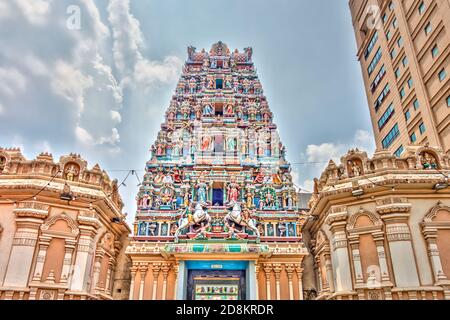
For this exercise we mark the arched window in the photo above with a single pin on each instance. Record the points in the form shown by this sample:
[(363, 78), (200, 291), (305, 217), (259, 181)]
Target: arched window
[(366, 239), (56, 248)]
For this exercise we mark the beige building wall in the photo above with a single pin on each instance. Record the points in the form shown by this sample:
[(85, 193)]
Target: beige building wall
[(57, 237), (380, 226), (413, 38)]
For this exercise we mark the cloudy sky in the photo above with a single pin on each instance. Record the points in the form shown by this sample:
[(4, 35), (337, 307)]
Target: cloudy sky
[(98, 83)]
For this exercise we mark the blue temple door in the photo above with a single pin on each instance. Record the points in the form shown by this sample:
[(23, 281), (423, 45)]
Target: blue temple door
[(217, 197)]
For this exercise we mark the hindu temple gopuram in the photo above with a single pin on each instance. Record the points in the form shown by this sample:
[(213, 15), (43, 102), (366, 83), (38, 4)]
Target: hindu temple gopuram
[(217, 214)]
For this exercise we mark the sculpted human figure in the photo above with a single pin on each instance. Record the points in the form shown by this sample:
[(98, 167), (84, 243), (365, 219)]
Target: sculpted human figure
[(355, 168), (233, 190), (202, 188), (207, 110), (71, 172)]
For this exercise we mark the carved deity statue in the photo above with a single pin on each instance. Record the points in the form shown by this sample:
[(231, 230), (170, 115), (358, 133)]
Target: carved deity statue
[(208, 110), (233, 190), (202, 189), (250, 196), (428, 161), (354, 167), (71, 172), (176, 175)]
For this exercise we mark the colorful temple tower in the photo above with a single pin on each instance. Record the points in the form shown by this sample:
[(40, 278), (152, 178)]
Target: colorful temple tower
[(217, 216)]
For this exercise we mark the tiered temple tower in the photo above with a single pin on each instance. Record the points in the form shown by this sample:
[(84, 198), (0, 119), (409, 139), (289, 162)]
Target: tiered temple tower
[(216, 213)]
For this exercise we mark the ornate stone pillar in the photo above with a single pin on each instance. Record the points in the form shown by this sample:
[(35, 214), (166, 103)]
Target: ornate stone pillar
[(133, 278), (143, 267), (277, 270), (354, 245), (29, 217), (299, 270), (337, 221), (395, 213), (329, 269), (379, 242), (257, 280), (44, 242), (290, 270), (97, 267), (165, 268), (433, 253), (267, 271), (88, 225), (67, 264), (176, 270), (109, 275), (156, 267)]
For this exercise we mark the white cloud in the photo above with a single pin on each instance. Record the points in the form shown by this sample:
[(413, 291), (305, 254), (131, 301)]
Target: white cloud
[(105, 70), (127, 45), (146, 72), (113, 139), (35, 65), (35, 11), (83, 136), (116, 117), (365, 140), (71, 84), (321, 154), (2, 109), (5, 9), (12, 81)]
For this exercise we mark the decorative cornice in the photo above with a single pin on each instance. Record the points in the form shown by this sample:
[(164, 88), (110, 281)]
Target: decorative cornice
[(31, 209), (334, 218), (393, 205)]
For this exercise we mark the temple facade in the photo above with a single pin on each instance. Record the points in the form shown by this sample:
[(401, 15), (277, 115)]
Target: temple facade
[(380, 226), (62, 233), (217, 215)]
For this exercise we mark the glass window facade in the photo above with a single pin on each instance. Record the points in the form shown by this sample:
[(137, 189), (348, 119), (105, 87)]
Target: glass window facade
[(391, 136), (386, 116), (374, 61)]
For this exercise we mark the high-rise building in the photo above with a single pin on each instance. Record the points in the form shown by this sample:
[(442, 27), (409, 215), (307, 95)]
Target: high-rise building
[(217, 213), (404, 51)]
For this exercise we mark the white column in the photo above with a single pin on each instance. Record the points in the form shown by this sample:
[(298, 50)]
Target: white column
[(257, 281), (67, 264), (176, 267), (83, 259), (382, 259), (181, 281), (165, 268), (433, 252), (155, 269), (252, 281), (133, 278), (402, 255), (143, 271), (339, 255), (43, 246), (277, 269), (329, 271), (289, 270), (267, 270), (341, 262), (97, 267), (23, 247), (359, 277), (299, 270)]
